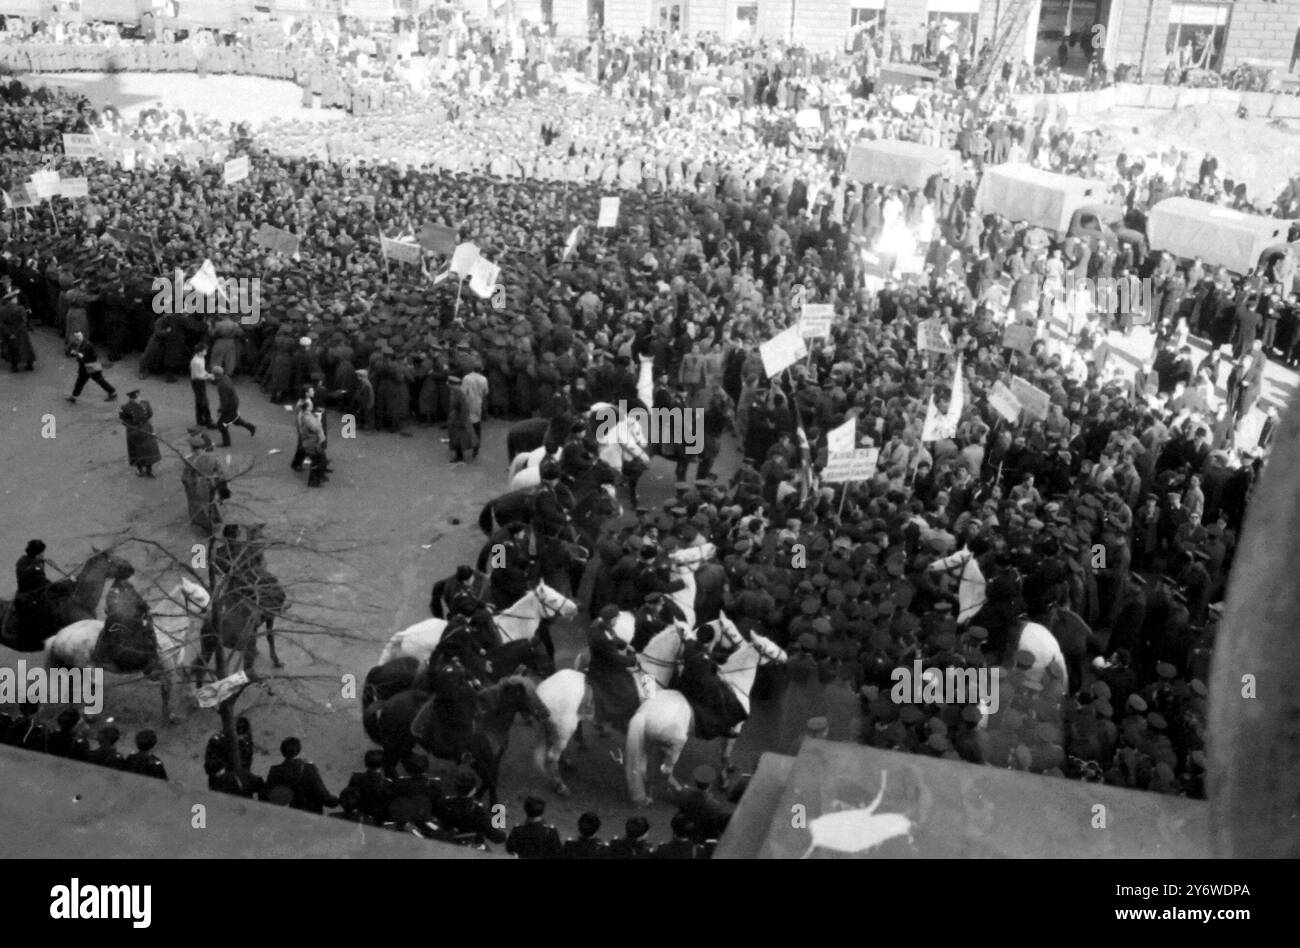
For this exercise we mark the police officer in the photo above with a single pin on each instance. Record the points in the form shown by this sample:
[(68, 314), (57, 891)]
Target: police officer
[(586, 846), (106, 754), (461, 814), (632, 845), (144, 762), (534, 839), (29, 605), (67, 741), (376, 791)]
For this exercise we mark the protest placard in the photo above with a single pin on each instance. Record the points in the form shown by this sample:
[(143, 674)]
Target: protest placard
[(400, 250), (844, 438), (74, 187), (858, 465), (1004, 403), (235, 170), (782, 351), (18, 200), (205, 279), (816, 319), (277, 240), (932, 336), (808, 118), (437, 238), (1019, 337), (132, 239), (80, 146), (45, 184), (608, 212), (1034, 401), (462, 259), (483, 277)]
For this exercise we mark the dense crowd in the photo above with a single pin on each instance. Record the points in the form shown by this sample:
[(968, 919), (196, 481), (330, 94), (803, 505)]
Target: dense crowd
[(1111, 521)]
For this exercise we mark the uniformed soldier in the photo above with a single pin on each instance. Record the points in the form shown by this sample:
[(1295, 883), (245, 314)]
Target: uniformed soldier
[(67, 740), (707, 812), (462, 815), (682, 845), (632, 845), (376, 791), (144, 762), (586, 846), (29, 602), (534, 839), (306, 789), (106, 754)]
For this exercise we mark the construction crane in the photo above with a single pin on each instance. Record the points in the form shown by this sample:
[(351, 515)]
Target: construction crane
[(1008, 36)]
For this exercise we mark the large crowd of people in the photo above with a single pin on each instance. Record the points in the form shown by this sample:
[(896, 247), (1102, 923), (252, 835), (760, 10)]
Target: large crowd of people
[(1111, 521)]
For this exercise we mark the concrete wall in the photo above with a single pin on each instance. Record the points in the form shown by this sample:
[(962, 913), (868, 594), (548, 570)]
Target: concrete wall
[(60, 809), (710, 16), (569, 17), (821, 24), (774, 19), (627, 17)]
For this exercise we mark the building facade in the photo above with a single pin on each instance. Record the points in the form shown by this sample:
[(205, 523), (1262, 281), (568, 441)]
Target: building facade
[(1145, 33)]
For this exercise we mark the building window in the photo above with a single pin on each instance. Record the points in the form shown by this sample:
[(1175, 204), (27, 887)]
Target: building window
[(1196, 34), (747, 13), (947, 30), (863, 16)]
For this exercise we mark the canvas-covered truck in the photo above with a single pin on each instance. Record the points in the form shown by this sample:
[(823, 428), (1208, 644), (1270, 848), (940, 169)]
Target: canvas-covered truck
[(899, 164), (1219, 236), (1046, 199)]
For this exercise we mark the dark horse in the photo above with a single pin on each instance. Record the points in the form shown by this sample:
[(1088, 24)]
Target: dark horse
[(479, 734), (533, 433), (407, 672), (64, 602)]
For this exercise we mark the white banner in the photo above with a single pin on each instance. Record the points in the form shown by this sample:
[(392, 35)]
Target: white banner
[(608, 212), (462, 259), (1004, 403), (932, 336), (808, 118), (1033, 400), (45, 184), (400, 250), (74, 187), (80, 146), (782, 351), (844, 438), (235, 170), (816, 319), (483, 277), (859, 465), (209, 696)]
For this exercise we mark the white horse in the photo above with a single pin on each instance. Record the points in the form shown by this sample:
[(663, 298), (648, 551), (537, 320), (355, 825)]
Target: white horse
[(685, 562), (526, 468), (176, 619), (520, 621), (666, 719), (1049, 660), (567, 696)]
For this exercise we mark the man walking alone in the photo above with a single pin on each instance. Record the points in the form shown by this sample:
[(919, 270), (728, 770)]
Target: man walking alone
[(88, 368), (199, 379), (228, 407)]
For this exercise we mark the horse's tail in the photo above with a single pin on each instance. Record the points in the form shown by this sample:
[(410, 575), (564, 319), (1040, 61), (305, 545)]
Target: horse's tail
[(485, 519), (634, 759)]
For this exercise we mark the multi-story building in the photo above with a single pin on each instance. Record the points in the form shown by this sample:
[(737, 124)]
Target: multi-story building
[(1144, 33)]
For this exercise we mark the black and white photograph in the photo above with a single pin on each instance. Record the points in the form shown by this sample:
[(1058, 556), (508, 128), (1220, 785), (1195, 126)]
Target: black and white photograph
[(703, 430)]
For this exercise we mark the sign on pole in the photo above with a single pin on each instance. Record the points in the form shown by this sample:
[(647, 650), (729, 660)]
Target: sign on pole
[(74, 187), (608, 212), (437, 238), (815, 320), (782, 351), (844, 438), (80, 146), (277, 239), (400, 250), (858, 465), (1033, 400), (1019, 337), (483, 277), (1004, 403), (45, 184), (462, 259), (235, 170), (932, 336)]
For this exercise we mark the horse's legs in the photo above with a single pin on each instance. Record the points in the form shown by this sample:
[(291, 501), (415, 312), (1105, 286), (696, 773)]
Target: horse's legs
[(671, 753), (728, 745), (270, 641)]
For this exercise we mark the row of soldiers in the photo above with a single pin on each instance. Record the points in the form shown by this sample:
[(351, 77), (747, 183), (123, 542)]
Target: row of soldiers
[(68, 740)]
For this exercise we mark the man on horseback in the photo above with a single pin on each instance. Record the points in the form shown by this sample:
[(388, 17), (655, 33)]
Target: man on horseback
[(549, 508), (652, 617), (612, 661), (127, 640), (511, 567), (717, 709), (446, 590)]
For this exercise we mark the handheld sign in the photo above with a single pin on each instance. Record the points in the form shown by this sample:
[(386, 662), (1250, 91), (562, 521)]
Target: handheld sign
[(1019, 337), (859, 465), (842, 439), (437, 238), (782, 351), (932, 336), (1034, 401), (74, 187), (277, 239), (483, 277), (816, 319), (1004, 403), (80, 146), (400, 250), (235, 170), (808, 118), (44, 184), (462, 259), (608, 212)]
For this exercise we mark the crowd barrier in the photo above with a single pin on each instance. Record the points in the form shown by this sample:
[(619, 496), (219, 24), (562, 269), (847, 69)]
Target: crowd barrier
[(1130, 95)]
